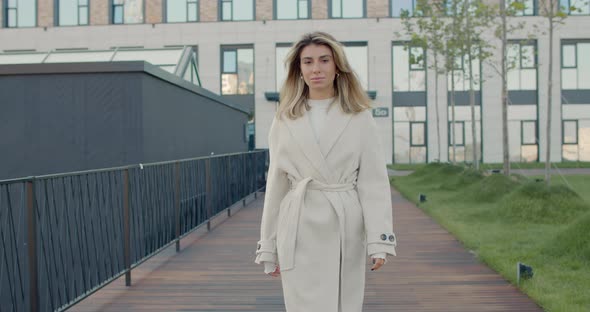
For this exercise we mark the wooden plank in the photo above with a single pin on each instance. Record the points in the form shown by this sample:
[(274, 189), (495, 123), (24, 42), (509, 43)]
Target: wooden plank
[(215, 272)]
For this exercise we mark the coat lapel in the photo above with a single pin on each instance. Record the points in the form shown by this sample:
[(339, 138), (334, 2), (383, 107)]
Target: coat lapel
[(302, 132), (336, 122)]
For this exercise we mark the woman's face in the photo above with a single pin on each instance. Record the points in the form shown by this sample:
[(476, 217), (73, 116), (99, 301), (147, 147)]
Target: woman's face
[(319, 70)]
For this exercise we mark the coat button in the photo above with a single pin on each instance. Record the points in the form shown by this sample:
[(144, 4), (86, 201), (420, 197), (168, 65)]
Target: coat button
[(383, 237), (258, 247), (391, 238)]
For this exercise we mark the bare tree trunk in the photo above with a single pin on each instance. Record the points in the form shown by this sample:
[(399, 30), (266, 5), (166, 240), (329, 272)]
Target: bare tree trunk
[(453, 117), (505, 147), (472, 105), (436, 102), (549, 92)]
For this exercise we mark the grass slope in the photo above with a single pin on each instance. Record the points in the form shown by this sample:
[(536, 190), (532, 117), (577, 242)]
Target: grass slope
[(506, 220)]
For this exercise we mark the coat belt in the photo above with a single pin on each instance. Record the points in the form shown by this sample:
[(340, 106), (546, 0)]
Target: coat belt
[(286, 242)]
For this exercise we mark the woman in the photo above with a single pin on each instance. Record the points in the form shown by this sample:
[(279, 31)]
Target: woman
[(328, 201)]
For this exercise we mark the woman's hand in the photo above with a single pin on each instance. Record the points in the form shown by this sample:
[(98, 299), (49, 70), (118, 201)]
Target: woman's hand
[(276, 273), (377, 263)]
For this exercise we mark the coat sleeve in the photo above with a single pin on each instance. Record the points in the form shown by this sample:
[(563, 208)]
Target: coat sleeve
[(375, 193), (277, 186)]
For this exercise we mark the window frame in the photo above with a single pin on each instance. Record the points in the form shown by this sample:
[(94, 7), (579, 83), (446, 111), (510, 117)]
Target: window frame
[(535, 56), (535, 8), (220, 11), (563, 131), (412, 134), (569, 5), (330, 5), (276, 11), (575, 45), (391, 8), (450, 123), (112, 6), (5, 14), (57, 15), (410, 58), (187, 2), (235, 47), (522, 122)]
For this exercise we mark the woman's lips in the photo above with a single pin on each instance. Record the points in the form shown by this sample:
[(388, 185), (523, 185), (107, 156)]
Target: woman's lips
[(316, 79)]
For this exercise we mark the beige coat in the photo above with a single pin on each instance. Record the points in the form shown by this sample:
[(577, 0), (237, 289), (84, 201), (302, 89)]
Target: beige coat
[(327, 207)]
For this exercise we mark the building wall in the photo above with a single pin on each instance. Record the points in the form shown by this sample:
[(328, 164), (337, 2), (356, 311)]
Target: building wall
[(45, 13), (378, 33), (264, 10), (99, 13), (154, 11)]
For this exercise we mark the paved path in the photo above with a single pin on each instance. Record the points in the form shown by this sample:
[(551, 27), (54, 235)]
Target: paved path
[(215, 272)]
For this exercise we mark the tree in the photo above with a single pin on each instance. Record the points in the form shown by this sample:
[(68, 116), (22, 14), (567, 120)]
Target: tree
[(555, 15), (426, 28), (470, 20)]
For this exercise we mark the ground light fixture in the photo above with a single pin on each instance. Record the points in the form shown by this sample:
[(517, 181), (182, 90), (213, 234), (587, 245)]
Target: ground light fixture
[(523, 271), (422, 198)]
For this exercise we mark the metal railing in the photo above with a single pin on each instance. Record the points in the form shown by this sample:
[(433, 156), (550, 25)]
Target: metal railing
[(63, 237)]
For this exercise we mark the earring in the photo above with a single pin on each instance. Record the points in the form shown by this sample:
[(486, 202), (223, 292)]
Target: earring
[(300, 76), (337, 75)]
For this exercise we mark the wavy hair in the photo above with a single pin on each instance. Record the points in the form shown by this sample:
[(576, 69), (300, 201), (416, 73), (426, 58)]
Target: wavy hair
[(295, 92)]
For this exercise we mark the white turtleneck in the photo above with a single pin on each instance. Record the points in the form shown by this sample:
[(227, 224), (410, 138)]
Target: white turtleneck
[(317, 117)]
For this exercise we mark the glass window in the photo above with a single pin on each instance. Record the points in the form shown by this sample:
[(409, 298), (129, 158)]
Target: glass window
[(237, 75), (73, 12), (292, 9), (416, 58), (568, 55), (179, 11), (347, 8), (237, 10), (357, 55), (398, 6), (21, 13), (127, 11), (460, 77), (418, 131), (529, 132), (570, 132), (408, 68), (281, 71), (458, 133), (582, 7), (522, 7), (575, 63), (522, 66)]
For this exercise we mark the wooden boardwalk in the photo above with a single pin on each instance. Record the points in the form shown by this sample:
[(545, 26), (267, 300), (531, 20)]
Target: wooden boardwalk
[(215, 272)]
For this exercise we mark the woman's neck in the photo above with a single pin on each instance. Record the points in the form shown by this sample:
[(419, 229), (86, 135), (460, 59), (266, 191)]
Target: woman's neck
[(321, 95)]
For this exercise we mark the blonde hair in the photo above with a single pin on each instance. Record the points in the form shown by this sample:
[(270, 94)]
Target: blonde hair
[(295, 92)]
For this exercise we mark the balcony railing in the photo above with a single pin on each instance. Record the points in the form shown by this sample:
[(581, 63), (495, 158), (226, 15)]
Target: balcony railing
[(65, 236)]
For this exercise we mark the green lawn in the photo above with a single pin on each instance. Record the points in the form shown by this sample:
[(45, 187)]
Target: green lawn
[(529, 165), (509, 220)]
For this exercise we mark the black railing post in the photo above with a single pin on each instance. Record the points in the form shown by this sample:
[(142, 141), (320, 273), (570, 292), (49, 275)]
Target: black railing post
[(255, 175), (208, 191), (126, 228), (177, 205), (32, 248)]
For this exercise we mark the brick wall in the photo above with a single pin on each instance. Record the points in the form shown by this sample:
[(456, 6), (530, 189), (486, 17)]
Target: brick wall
[(45, 13), (264, 10), (319, 9), (208, 10), (153, 11), (99, 12), (377, 8)]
